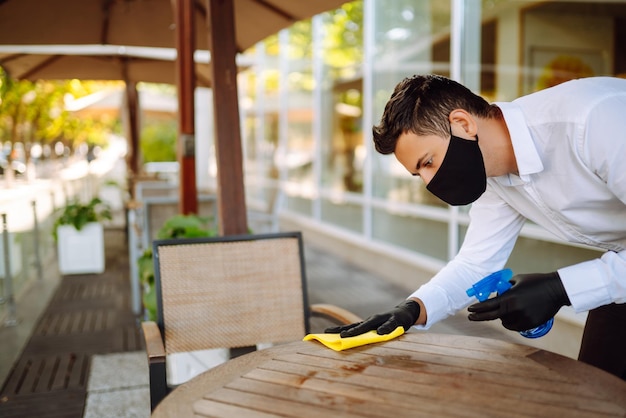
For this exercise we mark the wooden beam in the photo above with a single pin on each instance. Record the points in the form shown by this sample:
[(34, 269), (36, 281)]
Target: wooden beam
[(132, 156), (186, 82), (231, 196)]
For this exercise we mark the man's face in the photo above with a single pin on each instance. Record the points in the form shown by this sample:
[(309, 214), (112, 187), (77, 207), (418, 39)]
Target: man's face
[(421, 155)]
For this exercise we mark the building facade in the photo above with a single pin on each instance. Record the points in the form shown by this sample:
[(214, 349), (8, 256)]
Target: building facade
[(312, 95)]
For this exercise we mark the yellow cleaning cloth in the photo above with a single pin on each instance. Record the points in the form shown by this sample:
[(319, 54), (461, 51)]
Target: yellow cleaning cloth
[(337, 343)]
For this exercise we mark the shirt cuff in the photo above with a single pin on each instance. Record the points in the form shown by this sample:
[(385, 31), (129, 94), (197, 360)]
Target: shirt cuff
[(585, 285), (435, 302)]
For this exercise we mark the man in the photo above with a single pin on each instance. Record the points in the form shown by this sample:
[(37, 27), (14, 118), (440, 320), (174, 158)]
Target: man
[(556, 157)]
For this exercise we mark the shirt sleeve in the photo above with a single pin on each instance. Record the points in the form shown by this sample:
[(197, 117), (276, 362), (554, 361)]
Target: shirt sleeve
[(493, 230), (597, 282)]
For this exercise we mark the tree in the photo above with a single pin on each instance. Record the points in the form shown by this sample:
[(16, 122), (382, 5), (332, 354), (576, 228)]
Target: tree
[(343, 43), (34, 112)]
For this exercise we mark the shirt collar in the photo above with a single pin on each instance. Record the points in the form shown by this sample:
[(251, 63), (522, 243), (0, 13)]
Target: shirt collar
[(526, 155)]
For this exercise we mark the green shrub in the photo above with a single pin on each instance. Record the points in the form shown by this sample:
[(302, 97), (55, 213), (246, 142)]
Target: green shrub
[(80, 214)]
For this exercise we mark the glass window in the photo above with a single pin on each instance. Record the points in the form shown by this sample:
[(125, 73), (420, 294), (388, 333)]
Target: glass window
[(410, 37), (298, 156), (343, 151), (548, 43), (300, 149), (411, 232), (259, 94)]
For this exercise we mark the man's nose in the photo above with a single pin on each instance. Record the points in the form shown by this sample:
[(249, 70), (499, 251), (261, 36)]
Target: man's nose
[(427, 177)]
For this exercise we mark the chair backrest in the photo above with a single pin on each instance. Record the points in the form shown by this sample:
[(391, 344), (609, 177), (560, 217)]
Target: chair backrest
[(233, 291)]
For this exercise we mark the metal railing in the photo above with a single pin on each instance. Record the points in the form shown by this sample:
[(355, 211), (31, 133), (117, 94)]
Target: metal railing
[(27, 246)]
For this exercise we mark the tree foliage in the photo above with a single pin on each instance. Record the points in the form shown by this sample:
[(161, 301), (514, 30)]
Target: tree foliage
[(34, 112), (342, 47), (343, 40), (158, 141)]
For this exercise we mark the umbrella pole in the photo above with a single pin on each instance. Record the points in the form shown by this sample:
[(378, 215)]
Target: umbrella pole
[(132, 160), (185, 37), (230, 195)]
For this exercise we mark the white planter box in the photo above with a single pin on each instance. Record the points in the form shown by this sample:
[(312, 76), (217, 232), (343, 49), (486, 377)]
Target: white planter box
[(81, 252)]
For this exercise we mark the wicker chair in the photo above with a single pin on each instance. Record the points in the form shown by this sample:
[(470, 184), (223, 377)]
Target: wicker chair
[(228, 292)]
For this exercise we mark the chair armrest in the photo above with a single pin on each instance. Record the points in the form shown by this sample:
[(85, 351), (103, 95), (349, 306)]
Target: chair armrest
[(334, 313), (156, 362), (154, 342)]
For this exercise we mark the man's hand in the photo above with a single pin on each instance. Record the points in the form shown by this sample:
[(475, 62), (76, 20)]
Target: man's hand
[(405, 315), (531, 301)]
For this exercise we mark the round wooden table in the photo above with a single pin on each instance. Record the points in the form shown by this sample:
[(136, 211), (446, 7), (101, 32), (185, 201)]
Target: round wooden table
[(417, 374)]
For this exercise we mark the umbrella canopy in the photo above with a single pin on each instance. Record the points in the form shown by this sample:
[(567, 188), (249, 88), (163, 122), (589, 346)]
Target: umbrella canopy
[(111, 101), (141, 22), (98, 62)]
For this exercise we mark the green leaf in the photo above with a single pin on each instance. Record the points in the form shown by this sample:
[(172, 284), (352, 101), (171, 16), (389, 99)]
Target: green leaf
[(185, 226), (80, 214)]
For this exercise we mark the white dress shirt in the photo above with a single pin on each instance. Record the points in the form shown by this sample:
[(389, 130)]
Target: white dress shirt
[(570, 145)]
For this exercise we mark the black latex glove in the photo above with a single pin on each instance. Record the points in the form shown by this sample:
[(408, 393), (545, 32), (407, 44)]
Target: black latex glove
[(531, 301), (405, 315)]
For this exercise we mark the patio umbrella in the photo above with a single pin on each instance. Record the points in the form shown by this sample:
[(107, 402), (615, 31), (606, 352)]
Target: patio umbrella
[(224, 27), (142, 22), (98, 62)]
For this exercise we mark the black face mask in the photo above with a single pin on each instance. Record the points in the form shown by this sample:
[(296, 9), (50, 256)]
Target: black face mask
[(461, 178)]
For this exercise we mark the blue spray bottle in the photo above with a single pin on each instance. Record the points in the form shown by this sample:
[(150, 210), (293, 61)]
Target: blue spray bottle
[(499, 282)]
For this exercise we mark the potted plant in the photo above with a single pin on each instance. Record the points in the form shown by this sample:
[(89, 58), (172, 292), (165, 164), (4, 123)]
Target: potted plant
[(80, 236), (178, 226)]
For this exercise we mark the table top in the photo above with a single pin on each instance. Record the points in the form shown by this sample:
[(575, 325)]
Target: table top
[(416, 374)]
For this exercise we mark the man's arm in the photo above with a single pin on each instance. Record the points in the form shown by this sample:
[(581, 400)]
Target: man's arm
[(488, 243), (490, 238)]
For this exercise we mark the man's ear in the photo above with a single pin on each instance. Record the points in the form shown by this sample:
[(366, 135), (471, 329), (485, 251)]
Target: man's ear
[(463, 123)]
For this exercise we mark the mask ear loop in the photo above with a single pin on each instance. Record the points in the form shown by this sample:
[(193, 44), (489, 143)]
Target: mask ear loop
[(451, 134)]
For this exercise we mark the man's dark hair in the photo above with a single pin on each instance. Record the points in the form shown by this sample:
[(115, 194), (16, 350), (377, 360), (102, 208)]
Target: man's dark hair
[(422, 105)]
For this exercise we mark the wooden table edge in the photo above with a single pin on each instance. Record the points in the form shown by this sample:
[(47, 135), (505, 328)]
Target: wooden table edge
[(179, 403)]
